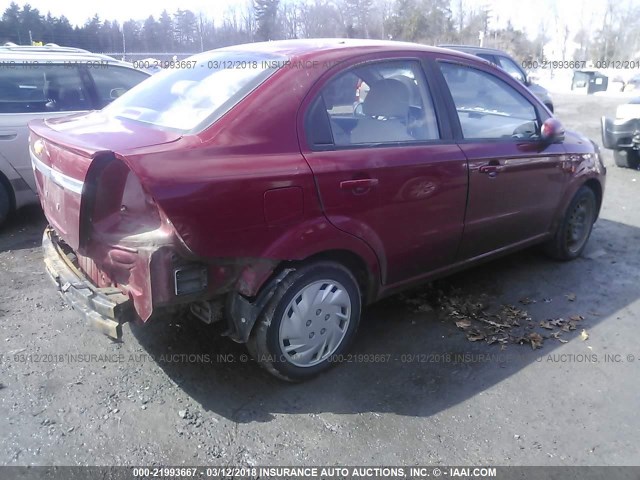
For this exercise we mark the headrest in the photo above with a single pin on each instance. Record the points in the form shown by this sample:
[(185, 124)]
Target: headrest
[(412, 87), (387, 98)]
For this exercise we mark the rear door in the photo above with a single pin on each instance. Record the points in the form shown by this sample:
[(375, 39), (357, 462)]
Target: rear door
[(385, 164), (32, 91), (515, 182)]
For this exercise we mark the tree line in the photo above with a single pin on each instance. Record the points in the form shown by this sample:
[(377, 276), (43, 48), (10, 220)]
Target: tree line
[(423, 21)]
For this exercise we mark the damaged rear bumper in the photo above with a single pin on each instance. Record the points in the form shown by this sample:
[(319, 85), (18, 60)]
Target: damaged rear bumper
[(104, 309)]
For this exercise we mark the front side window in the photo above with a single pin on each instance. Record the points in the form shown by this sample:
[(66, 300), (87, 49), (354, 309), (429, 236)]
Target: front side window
[(40, 88), (112, 81), (487, 107), (386, 102), (193, 97)]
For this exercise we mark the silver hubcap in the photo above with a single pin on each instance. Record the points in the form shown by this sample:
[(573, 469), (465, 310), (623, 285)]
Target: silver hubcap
[(314, 323)]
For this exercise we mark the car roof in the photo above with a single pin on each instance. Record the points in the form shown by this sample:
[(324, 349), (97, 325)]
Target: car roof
[(307, 47), (475, 49), (53, 53)]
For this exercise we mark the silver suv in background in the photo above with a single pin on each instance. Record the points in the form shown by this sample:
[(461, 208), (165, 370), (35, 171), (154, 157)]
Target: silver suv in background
[(622, 134), (509, 65), (45, 82)]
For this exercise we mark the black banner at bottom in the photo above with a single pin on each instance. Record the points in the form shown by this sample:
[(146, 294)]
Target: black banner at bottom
[(320, 473)]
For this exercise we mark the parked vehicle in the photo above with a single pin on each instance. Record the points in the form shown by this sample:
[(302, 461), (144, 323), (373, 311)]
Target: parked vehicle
[(622, 134), (509, 65), (589, 81), (282, 215), (47, 82)]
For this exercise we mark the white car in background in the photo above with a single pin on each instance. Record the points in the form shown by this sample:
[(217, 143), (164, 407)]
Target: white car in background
[(46, 82), (622, 134)]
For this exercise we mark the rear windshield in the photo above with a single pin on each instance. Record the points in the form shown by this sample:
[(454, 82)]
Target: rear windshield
[(200, 91)]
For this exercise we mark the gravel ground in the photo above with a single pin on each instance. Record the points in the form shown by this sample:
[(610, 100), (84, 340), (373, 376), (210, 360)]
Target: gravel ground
[(177, 393)]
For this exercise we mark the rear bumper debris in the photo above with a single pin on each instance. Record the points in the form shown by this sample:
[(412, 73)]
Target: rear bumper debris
[(104, 309)]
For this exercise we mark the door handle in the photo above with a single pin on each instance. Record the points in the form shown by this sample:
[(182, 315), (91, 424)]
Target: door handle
[(491, 169), (8, 135), (359, 184)]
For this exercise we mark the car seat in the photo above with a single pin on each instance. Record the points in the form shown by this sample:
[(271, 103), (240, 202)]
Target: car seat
[(386, 110)]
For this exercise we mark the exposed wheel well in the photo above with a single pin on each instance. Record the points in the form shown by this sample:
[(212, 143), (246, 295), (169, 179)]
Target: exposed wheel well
[(242, 312), (597, 189), (357, 266)]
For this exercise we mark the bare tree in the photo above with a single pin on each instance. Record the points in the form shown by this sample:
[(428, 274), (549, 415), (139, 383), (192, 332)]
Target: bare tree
[(290, 19), (266, 13), (320, 18)]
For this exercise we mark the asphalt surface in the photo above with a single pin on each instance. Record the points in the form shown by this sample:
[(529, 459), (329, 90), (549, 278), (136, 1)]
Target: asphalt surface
[(177, 393)]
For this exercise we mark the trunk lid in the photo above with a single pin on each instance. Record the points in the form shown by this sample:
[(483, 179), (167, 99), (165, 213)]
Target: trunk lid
[(62, 151)]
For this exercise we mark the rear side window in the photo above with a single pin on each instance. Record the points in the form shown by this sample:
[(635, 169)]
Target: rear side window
[(487, 107), (35, 88), (111, 82), (378, 103)]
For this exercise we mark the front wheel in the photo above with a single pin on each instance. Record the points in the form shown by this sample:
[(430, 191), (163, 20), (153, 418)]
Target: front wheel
[(626, 158), (310, 321), (575, 228)]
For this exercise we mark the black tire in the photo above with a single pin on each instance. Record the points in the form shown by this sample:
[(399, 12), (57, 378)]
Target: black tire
[(5, 203), (575, 228), (265, 343), (626, 158)]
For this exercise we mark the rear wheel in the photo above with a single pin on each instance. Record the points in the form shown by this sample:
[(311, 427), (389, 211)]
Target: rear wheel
[(575, 228), (626, 158), (311, 320), (5, 203)]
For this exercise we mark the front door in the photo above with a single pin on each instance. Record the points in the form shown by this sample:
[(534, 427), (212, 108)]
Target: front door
[(515, 181)]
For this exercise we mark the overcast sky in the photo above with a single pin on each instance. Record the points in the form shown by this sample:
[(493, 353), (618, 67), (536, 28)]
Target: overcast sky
[(524, 14)]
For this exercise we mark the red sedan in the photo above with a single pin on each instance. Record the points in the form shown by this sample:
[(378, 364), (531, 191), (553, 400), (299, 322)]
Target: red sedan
[(279, 187)]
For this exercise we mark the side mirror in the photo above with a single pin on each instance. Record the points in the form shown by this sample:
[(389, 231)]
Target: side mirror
[(551, 131)]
